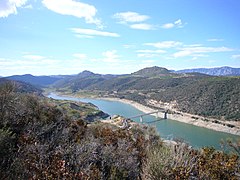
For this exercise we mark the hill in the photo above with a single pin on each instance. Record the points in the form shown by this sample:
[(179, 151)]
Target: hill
[(208, 97), (42, 138), (48, 139), (82, 80), (90, 81), (193, 93), (21, 87), (221, 71), (40, 81), (153, 72)]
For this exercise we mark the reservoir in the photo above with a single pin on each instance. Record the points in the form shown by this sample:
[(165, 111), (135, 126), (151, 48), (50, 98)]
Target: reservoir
[(168, 129)]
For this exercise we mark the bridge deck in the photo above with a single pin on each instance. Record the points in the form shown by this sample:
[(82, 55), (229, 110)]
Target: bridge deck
[(145, 114)]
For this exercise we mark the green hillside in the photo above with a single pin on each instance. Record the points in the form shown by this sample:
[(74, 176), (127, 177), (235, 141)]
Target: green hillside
[(194, 93), (20, 86), (214, 97), (40, 81), (153, 72)]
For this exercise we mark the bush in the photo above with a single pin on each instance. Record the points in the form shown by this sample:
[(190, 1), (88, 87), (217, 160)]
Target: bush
[(180, 162), (169, 162)]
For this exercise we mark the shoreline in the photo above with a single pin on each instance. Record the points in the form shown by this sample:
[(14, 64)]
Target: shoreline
[(181, 117)]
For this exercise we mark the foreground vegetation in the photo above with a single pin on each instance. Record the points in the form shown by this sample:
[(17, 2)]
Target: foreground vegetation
[(44, 139)]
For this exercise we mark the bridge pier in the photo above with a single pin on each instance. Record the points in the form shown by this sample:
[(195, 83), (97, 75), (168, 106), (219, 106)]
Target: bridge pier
[(165, 115)]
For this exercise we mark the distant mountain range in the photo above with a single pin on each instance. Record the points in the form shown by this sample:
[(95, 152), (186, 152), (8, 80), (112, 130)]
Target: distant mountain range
[(206, 92), (43, 81), (194, 92), (35, 80), (22, 87), (220, 71)]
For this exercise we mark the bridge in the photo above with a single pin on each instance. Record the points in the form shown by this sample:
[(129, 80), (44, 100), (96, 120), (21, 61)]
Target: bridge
[(145, 114), (125, 123)]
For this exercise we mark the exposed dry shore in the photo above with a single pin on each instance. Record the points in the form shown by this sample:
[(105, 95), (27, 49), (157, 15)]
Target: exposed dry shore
[(183, 117)]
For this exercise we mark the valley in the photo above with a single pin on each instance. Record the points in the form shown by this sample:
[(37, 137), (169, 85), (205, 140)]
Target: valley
[(70, 132), (209, 101)]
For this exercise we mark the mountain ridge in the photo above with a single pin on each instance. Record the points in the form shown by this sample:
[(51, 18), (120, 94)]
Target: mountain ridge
[(194, 93), (34, 80), (218, 71), (152, 72)]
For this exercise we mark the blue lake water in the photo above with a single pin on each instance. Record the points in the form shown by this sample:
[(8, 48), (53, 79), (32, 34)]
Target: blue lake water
[(167, 129)]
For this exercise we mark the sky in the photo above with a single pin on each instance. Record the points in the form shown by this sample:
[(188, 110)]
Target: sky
[(52, 37)]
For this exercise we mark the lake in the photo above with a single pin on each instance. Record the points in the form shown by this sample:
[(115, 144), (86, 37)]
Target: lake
[(168, 129)]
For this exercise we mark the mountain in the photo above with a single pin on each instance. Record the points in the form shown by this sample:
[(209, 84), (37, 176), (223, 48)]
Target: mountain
[(85, 74), (43, 138), (221, 71), (209, 97), (20, 86), (35, 80), (82, 80), (144, 79), (194, 93), (153, 72)]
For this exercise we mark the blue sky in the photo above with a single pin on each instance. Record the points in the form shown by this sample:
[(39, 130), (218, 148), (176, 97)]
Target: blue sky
[(50, 37)]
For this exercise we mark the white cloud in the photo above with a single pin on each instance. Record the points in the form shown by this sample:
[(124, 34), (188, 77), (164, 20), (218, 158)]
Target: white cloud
[(33, 57), (147, 55), (178, 23), (159, 51), (164, 44), (80, 56), (89, 33), (130, 17), (84, 36), (8, 7), (134, 20), (193, 45), (168, 26), (30, 61), (29, 6), (110, 56), (199, 51), (182, 53), (142, 26), (74, 8), (236, 56), (215, 40)]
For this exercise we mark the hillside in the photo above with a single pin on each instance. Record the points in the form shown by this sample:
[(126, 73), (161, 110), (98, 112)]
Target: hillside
[(153, 72), (21, 87), (193, 93), (82, 80), (42, 138), (79, 110), (153, 76), (221, 71), (211, 97), (39, 81)]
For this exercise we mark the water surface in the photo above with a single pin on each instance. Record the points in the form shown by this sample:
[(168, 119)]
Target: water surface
[(168, 129)]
